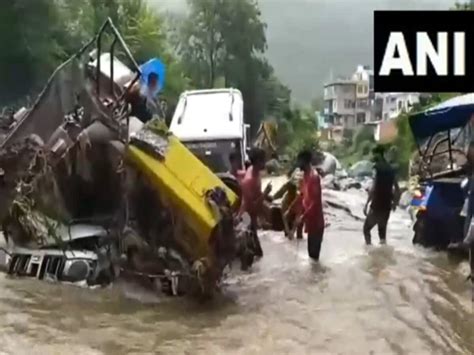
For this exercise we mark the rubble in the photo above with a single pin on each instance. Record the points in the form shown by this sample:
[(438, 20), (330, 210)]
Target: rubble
[(343, 183), (88, 193)]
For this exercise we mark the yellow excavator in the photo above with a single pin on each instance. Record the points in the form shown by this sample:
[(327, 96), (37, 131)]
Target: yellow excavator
[(266, 137)]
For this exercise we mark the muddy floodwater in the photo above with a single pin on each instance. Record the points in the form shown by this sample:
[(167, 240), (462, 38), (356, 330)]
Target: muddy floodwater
[(393, 299)]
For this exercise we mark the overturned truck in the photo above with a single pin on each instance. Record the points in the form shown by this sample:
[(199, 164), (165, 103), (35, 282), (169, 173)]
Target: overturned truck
[(89, 193)]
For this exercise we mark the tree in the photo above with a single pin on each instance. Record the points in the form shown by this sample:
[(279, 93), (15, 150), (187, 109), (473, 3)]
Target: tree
[(41, 34), (202, 42), (462, 6), (29, 47), (226, 39)]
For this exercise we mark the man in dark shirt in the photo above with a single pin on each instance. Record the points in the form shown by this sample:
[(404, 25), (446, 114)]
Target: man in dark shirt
[(382, 198)]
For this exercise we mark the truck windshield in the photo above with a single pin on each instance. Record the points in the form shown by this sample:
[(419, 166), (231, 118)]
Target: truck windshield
[(215, 154)]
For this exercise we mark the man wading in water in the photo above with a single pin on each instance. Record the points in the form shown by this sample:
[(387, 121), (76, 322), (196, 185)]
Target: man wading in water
[(235, 168), (252, 196), (312, 215), (382, 199)]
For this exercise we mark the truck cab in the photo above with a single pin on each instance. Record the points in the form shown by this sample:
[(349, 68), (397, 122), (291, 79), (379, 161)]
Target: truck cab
[(211, 124)]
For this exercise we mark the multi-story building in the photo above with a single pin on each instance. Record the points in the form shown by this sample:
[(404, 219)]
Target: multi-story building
[(350, 103), (340, 103), (393, 104)]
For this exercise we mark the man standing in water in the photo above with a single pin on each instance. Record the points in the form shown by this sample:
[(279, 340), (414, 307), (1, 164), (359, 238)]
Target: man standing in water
[(312, 215), (383, 197), (252, 196)]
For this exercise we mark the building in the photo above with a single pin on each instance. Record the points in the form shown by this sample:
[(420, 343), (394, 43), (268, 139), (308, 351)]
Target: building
[(349, 102), (393, 104), (340, 103), (364, 80), (352, 102)]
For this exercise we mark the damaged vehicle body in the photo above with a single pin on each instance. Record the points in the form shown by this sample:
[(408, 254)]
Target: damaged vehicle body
[(90, 192), (442, 134)]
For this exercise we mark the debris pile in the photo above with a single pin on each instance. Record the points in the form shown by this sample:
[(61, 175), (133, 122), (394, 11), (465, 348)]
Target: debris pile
[(89, 193)]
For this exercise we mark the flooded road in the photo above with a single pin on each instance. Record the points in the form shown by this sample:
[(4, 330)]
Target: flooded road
[(393, 299)]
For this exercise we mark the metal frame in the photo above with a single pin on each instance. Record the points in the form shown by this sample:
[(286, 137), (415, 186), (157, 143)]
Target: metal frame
[(424, 153), (108, 24)]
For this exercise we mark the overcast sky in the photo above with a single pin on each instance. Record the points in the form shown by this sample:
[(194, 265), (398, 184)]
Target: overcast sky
[(307, 39)]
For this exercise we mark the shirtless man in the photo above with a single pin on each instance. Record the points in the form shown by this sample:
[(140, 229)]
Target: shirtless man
[(252, 196)]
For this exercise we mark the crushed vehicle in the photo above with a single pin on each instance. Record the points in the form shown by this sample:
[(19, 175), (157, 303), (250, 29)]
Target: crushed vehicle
[(442, 134), (90, 193)]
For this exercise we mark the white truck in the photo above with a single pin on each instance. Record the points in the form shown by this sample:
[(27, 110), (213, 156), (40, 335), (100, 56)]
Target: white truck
[(211, 124)]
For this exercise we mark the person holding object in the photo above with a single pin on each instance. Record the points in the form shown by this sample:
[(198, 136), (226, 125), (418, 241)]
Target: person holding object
[(312, 206), (290, 204), (383, 197)]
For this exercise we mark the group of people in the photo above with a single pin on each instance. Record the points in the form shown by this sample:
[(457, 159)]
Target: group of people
[(308, 202), (302, 205)]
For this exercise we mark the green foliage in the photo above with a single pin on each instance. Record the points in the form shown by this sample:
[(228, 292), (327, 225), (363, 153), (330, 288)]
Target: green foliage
[(225, 39), (41, 34), (297, 131), (462, 6), (405, 145), (357, 146), (29, 45), (218, 43)]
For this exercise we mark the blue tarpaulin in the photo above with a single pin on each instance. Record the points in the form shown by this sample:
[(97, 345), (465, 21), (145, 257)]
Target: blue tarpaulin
[(153, 66), (451, 114)]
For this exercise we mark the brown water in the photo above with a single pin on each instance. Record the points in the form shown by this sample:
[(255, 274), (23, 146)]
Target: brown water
[(394, 299)]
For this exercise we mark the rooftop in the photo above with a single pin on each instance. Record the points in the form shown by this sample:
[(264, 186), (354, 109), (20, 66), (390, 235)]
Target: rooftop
[(340, 81)]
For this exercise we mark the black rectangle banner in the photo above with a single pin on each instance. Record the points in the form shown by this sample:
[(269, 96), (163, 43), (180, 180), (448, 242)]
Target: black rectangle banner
[(438, 44)]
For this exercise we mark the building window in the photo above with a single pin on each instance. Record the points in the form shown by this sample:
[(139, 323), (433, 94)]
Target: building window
[(385, 116), (400, 105), (360, 89), (360, 117), (349, 104), (362, 104)]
